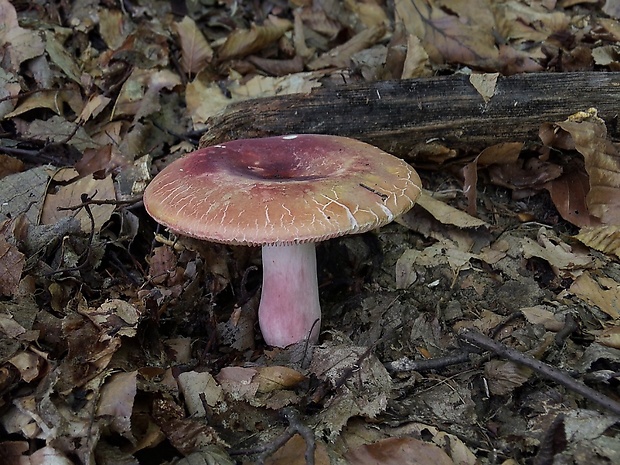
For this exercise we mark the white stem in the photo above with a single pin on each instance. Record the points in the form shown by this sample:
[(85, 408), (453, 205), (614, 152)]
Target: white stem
[(289, 309)]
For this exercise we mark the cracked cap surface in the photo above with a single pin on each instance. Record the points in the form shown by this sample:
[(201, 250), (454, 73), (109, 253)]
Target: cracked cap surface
[(281, 190)]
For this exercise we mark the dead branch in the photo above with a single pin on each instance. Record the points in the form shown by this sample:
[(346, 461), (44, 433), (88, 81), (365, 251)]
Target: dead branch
[(546, 371), (401, 117)]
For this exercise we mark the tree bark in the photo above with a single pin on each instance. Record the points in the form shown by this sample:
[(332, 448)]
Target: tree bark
[(402, 116)]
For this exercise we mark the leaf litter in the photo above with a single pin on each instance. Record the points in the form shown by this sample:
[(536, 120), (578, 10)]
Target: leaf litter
[(123, 345)]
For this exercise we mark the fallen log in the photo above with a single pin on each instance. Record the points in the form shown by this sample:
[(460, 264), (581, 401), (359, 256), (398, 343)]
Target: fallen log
[(399, 116)]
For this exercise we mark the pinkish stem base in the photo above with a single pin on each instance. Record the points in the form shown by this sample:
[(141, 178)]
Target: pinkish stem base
[(289, 309)]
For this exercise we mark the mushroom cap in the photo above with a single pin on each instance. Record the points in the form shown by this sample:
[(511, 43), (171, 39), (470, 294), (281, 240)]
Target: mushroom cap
[(281, 190)]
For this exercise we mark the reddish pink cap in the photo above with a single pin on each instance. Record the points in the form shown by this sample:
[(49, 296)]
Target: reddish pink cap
[(281, 190)]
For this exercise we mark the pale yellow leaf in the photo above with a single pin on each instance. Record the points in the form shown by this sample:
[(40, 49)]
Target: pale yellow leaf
[(605, 239)]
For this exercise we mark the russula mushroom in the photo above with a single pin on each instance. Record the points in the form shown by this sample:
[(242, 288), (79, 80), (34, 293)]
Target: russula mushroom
[(285, 194)]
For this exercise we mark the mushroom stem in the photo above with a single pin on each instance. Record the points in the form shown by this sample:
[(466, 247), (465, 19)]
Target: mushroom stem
[(289, 309)]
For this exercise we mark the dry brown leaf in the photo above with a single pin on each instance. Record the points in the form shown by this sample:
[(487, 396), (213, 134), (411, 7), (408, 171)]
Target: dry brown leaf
[(505, 376), (605, 239), (557, 253), (602, 164), (205, 100), (293, 451), (398, 451), (140, 93), (28, 364), (239, 382), (59, 130), (612, 27), (340, 56), (612, 8), (113, 27), (197, 386), (278, 67), (114, 318), (609, 337), (568, 193), (196, 53), (70, 195), (244, 42), (528, 21), (369, 14), (606, 55), (116, 402), (274, 378), (451, 444), (528, 175), (608, 300), (446, 214), (417, 63), (10, 165), (163, 265), (502, 153), (12, 263), (20, 44), (9, 90), (61, 57), (93, 107), (485, 84), (187, 435), (514, 61), (448, 38), (539, 315)]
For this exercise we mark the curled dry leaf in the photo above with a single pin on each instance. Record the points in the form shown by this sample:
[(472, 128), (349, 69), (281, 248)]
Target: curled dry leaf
[(602, 162), (606, 296), (603, 238), (561, 256), (12, 263), (448, 38), (244, 42), (447, 214), (569, 193), (196, 53), (498, 154), (340, 57)]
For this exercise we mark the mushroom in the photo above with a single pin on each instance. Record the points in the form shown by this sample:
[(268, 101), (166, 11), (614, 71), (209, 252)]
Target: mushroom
[(285, 194)]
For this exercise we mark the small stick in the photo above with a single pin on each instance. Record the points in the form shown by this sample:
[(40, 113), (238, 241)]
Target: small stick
[(408, 364), (543, 369), (295, 427)]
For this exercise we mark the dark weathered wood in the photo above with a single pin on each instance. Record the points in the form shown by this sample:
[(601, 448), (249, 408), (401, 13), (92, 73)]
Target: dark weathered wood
[(399, 115)]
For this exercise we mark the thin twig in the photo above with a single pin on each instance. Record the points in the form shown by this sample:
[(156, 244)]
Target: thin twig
[(407, 364), (295, 427), (83, 258), (543, 369), (99, 202)]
